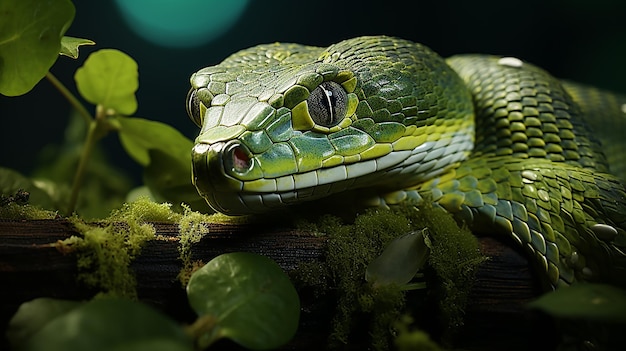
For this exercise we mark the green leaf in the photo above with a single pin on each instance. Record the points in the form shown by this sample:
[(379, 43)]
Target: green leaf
[(140, 192), (169, 180), (109, 324), (109, 78), (400, 260), (586, 301), (105, 185), (30, 40), (32, 316), (154, 345), (70, 45), (166, 156), (251, 298), (139, 136)]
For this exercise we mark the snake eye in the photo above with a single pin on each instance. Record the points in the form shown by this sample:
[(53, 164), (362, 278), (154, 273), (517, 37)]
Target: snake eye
[(193, 107), (328, 104), (197, 102)]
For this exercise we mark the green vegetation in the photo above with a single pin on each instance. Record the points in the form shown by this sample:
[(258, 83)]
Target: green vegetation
[(15, 206), (106, 248), (372, 262), (108, 79), (262, 313), (454, 256), (192, 228)]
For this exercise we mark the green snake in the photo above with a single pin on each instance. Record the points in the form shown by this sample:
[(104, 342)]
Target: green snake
[(495, 141)]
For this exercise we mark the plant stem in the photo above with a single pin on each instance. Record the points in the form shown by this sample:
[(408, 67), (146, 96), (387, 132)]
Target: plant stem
[(70, 97), (202, 331), (94, 133)]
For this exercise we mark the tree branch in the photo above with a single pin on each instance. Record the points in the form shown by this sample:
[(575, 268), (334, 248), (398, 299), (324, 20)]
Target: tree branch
[(31, 267)]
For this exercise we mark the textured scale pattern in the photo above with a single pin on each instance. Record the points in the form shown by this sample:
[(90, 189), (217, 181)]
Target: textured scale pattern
[(526, 113), (495, 141), (605, 113)]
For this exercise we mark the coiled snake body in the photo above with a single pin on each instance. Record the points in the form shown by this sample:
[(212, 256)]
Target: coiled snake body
[(497, 142)]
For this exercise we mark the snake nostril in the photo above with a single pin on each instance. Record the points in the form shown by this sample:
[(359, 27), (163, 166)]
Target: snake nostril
[(239, 158)]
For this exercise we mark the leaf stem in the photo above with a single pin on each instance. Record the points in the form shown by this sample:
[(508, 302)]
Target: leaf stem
[(97, 129), (202, 331), (70, 97)]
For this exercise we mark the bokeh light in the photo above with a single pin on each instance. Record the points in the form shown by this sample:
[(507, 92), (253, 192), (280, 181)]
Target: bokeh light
[(181, 23)]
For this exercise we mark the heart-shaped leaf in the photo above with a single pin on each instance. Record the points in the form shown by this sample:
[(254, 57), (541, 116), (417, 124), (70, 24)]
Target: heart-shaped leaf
[(109, 78), (30, 41), (251, 298)]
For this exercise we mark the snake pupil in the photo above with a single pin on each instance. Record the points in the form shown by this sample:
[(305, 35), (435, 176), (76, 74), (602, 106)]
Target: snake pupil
[(328, 104)]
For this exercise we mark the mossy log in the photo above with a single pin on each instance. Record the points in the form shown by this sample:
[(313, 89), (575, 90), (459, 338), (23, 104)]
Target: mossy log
[(31, 267)]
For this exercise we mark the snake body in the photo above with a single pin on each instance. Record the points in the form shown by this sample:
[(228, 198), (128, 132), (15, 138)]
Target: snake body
[(497, 142)]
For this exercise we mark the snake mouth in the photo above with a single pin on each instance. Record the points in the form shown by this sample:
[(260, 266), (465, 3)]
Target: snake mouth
[(228, 177), (231, 178)]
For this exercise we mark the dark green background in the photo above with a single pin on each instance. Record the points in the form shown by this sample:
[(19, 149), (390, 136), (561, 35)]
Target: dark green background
[(579, 40)]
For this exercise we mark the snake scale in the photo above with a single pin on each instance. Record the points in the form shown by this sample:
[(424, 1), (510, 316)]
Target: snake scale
[(497, 142)]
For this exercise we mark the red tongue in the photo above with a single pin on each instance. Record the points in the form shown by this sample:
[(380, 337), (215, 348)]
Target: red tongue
[(241, 161)]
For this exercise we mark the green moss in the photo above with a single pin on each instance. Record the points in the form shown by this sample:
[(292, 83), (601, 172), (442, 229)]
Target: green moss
[(192, 227), (226, 219), (145, 210), (410, 339), (14, 211), (16, 207), (351, 247), (385, 304), (106, 248), (455, 256), (105, 259), (313, 276)]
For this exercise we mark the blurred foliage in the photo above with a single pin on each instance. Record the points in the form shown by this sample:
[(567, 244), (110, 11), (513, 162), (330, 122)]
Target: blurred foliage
[(105, 185)]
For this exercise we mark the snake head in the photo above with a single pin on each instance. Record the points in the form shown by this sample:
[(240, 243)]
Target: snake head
[(286, 123)]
